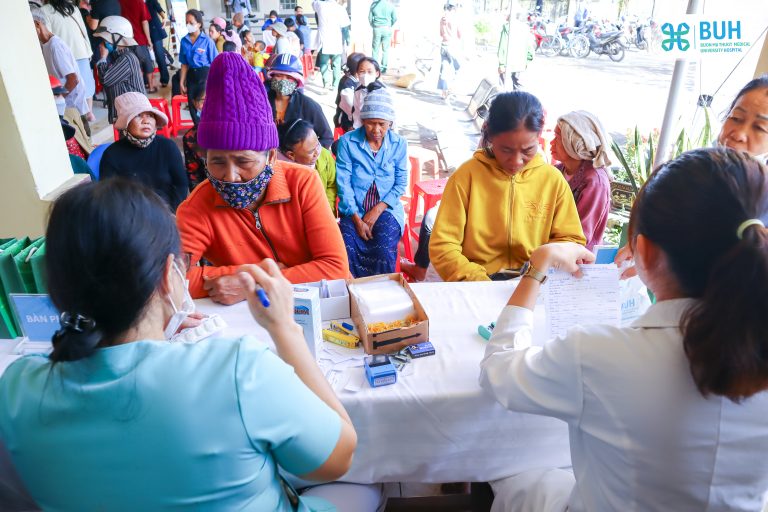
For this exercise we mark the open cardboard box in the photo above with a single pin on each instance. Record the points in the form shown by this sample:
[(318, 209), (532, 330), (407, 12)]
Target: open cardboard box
[(395, 339)]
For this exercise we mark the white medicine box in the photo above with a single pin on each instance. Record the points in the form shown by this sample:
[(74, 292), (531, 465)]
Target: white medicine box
[(306, 313), (336, 305)]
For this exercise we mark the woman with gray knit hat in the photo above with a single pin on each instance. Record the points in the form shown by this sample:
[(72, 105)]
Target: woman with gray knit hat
[(371, 176)]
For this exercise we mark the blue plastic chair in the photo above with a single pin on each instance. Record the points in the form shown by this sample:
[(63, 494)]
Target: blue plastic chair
[(94, 159)]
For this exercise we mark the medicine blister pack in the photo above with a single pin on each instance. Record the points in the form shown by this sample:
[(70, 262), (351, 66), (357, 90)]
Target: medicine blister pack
[(209, 326)]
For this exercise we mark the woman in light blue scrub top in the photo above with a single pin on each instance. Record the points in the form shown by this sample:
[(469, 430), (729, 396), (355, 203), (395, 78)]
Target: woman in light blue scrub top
[(119, 419)]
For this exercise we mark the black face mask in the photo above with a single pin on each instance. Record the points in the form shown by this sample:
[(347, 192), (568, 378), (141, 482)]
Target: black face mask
[(300, 19)]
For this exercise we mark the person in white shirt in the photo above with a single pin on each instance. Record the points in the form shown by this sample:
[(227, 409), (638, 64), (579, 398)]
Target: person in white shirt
[(60, 63), (669, 413), (65, 21), (331, 18)]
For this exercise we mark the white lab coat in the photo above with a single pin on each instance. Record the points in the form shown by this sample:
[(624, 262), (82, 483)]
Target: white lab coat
[(331, 18), (642, 436)]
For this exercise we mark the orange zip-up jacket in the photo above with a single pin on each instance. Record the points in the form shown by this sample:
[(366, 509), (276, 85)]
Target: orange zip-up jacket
[(293, 226)]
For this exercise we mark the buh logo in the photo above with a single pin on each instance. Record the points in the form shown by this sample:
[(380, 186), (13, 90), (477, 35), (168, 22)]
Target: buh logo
[(675, 37)]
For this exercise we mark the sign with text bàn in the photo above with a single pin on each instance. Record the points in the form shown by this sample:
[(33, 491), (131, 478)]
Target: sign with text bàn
[(38, 317), (697, 36)]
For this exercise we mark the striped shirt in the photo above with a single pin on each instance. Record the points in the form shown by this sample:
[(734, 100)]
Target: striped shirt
[(371, 198), (119, 73)]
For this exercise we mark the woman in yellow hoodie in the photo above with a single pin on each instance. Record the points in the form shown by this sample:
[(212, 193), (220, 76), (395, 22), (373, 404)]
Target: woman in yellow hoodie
[(505, 201)]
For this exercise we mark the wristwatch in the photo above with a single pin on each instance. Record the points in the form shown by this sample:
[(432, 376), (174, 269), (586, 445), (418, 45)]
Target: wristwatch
[(527, 270)]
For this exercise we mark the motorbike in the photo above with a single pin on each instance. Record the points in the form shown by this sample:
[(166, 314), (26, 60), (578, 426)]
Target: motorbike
[(601, 43)]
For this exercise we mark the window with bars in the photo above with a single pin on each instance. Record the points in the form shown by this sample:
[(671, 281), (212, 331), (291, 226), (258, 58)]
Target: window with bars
[(287, 5)]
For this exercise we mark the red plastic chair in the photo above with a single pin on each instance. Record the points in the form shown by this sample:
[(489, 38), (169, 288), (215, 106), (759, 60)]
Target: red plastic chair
[(430, 192), (308, 66), (161, 104), (179, 123), (337, 133)]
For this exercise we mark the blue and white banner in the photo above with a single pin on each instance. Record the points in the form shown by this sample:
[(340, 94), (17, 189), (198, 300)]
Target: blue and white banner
[(695, 36)]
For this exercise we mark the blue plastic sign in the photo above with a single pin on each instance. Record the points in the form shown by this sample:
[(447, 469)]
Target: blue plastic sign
[(37, 316)]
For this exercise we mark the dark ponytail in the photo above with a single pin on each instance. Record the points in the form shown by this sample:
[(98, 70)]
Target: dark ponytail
[(106, 249), (692, 207), (63, 7)]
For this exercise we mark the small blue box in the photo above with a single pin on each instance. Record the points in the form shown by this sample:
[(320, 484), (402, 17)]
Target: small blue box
[(423, 349), (380, 371)]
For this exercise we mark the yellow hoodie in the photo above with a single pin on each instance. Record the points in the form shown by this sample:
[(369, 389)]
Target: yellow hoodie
[(490, 221)]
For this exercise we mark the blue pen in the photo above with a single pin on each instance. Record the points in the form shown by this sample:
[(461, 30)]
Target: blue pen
[(262, 295)]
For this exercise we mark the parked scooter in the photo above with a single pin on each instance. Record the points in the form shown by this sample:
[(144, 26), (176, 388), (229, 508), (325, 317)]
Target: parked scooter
[(600, 43)]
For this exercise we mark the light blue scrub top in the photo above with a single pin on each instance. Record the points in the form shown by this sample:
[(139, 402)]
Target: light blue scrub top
[(158, 426)]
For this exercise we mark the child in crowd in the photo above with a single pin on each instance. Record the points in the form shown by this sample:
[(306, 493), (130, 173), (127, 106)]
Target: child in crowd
[(347, 85), (254, 53)]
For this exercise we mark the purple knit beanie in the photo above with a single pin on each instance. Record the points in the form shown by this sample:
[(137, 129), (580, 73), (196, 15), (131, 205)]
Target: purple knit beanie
[(237, 115)]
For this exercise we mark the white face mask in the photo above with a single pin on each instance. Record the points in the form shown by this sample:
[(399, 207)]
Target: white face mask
[(61, 105), (367, 79), (192, 28), (179, 315)]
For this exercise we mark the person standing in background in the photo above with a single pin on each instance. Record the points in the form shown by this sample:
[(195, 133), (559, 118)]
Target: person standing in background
[(66, 22), (516, 49), (61, 63), (136, 12), (119, 68), (331, 19), (302, 26), (449, 48), (240, 7), (382, 18), (157, 35), (196, 55)]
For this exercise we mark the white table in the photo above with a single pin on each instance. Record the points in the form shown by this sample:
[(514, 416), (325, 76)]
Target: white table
[(437, 425)]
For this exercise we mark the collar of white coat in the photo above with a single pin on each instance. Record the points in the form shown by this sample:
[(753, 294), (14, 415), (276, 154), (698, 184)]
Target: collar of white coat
[(667, 313)]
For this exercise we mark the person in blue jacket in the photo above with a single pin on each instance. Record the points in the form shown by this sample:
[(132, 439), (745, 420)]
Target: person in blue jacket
[(371, 177)]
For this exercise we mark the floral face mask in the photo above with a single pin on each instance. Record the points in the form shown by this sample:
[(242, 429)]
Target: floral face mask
[(283, 86), (242, 195)]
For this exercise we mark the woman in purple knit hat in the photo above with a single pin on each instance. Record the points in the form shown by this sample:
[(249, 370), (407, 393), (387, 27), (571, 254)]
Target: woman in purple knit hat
[(254, 209)]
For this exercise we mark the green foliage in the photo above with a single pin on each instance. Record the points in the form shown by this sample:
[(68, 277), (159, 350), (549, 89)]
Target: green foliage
[(482, 27), (636, 157)]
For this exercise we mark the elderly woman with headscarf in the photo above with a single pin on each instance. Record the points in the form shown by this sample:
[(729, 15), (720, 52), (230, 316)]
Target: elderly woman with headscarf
[(581, 148), (371, 176), (143, 155), (252, 206)]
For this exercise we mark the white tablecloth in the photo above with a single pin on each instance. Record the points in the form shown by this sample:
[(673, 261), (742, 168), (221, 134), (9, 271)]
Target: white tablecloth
[(436, 424)]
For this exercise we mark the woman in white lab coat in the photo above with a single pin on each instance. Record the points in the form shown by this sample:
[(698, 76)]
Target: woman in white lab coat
[(670, 412)]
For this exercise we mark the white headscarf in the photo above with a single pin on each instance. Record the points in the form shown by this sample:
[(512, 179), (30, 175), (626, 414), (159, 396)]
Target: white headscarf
[(584, 138)]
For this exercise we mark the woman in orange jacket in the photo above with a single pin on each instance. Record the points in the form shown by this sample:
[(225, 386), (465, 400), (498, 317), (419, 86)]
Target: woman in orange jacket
[(252, 207)]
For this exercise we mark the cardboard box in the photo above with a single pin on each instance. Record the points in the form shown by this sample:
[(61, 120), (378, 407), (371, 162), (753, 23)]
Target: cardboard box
[(306, 313), (335, 307), (395, 339)]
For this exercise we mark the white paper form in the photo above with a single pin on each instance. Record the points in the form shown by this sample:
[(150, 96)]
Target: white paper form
[(592, 299)]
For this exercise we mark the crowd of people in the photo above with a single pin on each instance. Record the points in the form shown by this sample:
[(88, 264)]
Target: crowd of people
[(264, 197)]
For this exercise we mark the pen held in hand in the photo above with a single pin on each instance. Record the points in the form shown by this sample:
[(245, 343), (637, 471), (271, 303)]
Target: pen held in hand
[(262, 295)]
